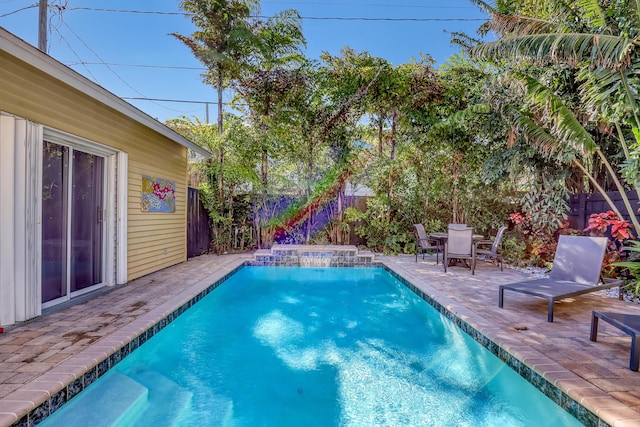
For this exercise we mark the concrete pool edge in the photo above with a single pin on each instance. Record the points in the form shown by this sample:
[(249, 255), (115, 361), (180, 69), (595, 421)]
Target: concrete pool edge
[(65, 380), (40, 398), (553, 380)]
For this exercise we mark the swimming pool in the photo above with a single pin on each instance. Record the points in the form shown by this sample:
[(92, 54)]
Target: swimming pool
[(303, 347)]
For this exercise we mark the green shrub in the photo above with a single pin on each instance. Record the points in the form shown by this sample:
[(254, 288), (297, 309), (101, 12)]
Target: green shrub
[(632, 265), (514, 249)]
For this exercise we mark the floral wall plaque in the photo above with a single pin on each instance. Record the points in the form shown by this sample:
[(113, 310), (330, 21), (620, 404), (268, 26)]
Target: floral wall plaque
[(158, 194)]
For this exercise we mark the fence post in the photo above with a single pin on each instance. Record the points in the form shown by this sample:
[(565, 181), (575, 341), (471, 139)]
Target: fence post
[(582, 209)]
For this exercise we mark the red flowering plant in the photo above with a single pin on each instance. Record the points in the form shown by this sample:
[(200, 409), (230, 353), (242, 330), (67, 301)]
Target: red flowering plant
[(619, 229), (600, 222)]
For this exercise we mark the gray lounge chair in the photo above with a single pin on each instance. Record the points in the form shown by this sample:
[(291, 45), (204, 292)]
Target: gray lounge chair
[(494, 251), (459, 245), (576, 271), (425, 243), (627, 323)]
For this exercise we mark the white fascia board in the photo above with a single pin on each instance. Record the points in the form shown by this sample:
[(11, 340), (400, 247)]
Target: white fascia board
[(40, 60)]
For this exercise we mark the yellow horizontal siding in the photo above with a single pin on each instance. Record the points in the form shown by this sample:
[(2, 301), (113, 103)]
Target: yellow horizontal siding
[(157, 240), (29, 93)]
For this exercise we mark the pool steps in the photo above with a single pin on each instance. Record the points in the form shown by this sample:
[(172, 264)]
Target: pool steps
[(159, 387), (130, 398), (313, 256), (126, 398)]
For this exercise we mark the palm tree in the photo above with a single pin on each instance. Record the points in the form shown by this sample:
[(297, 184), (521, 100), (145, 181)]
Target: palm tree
[(601, 44), (223, 40), (268, 80)]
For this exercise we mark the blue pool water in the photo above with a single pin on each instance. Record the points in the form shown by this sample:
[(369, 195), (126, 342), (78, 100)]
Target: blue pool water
[(280, 346)]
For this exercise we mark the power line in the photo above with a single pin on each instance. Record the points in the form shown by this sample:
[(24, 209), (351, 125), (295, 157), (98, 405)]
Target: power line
[(311, 18), (174, 100), (327, 18), (19, 10), (108, 67), (316, 18), (75, 53), (175, 67), (395, 6), (169, 100)]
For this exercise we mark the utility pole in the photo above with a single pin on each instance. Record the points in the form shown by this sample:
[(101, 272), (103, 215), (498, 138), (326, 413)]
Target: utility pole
[(42, 26)]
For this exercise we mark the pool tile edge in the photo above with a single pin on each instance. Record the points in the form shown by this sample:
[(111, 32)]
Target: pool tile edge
[(156, 319), (104, 354), (539, 380)]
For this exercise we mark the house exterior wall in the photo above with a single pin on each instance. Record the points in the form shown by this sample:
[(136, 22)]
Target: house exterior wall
[(155, 240)]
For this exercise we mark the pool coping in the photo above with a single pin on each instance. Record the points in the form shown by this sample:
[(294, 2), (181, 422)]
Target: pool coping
[(520, 365), (64, 381)]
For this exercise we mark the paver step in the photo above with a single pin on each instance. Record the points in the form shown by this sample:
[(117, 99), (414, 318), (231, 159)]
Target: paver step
[(167, 402), (114, 400)]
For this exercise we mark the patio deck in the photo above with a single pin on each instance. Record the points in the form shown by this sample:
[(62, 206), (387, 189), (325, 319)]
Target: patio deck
[(40, 358)]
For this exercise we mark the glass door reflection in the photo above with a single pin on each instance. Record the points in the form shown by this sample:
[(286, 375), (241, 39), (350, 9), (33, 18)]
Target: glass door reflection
[(72, 222)]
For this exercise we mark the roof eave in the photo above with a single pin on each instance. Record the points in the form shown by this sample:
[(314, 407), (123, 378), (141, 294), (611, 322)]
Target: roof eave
[(35, 57)]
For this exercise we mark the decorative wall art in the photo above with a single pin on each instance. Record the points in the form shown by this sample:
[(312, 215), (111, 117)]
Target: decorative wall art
[(158, 194)]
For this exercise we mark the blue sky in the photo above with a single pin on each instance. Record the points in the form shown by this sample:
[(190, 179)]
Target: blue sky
[(81, 38)]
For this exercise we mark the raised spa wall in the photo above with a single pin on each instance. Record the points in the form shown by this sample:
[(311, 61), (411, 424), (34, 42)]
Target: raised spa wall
[(312, 256)]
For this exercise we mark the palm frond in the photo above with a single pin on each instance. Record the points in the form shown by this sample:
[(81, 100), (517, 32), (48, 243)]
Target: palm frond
[(600, 50), (593, 13), (634, 5), (601, 89), (565, 123), (484, 6), (463, 40), (515, 25), (537, 136)]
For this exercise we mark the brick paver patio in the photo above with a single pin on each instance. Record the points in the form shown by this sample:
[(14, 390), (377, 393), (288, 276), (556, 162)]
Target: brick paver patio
[(42, 357)]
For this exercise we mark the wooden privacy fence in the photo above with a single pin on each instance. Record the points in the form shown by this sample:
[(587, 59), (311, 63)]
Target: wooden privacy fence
[(198, 227), (583, 205)]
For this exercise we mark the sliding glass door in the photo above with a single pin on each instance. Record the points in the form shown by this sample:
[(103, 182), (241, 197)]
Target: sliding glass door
[(72, 223)]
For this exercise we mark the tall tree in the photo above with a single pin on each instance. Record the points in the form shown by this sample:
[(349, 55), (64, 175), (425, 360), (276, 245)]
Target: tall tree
[(222, 43), (223, 40), (265, 85)]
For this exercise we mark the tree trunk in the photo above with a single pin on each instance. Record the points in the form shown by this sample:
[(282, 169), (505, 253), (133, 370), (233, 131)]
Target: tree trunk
[(309, 178), (220, 145), (340, 215), (220, 90), (454, 193), (380, 135), (394, 130), (265, 170)]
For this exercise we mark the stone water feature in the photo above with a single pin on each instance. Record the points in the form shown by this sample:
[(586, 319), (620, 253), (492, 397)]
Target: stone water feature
[(313, 256)]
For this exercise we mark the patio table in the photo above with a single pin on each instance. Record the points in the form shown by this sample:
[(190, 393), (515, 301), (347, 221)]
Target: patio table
[(443, 236)]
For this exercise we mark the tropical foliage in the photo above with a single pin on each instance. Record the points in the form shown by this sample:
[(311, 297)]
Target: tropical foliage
[(502, 133)]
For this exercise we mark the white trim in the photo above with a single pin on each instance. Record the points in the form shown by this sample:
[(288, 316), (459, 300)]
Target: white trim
[(110, 220), (21, 264), (43, 62), (7, 220), (121, 218), (34, 225), (20, 228), (68, 140)]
